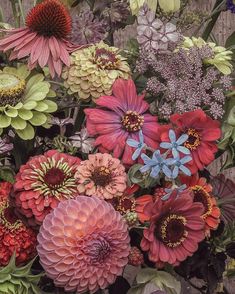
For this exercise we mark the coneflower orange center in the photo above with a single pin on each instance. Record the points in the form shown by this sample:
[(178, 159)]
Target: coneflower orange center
[(49, 18)]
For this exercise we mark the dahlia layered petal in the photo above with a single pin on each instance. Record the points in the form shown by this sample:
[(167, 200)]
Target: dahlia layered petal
[(83, 244), (42, 183), (176, 228), (119, 118)]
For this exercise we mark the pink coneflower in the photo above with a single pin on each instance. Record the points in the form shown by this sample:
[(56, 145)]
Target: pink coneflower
[(176, 228), (101, 175), (44, 39), (43, 182), (83, 244), (121, 117)]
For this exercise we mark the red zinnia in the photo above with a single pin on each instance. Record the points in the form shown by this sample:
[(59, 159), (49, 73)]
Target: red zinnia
[(202, 193), (121, 117), (203, 132), (14, 235), (44, 39), (43, 182), (176, 228)]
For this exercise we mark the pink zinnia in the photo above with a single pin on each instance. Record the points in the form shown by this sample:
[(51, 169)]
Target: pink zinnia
[(43, 182), (176, 228), (44, 39), (83, 244), (101, 175), (121, 117)]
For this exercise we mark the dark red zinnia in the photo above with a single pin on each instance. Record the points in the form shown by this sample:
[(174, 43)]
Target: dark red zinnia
[(39, 19), (14, 235)]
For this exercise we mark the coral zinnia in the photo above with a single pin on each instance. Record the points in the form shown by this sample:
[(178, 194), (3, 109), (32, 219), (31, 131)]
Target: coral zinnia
[(44, 39), (14, 235), (93, 71), (24, 101), (203, 132), (83, 244), (202, 192), (120, 118), (101, 175), (176, 228), (43, 182)]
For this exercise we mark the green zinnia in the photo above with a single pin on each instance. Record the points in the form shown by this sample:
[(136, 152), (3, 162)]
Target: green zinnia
[(18, 280), (24, 101)]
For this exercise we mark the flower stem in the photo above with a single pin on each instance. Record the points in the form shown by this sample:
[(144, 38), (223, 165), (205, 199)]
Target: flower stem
[(214, 17), (21, 11)]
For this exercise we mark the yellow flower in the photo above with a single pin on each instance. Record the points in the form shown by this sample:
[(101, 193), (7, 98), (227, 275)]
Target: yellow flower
[(222, 56), (169, 5), (165, 5), (93, 71)]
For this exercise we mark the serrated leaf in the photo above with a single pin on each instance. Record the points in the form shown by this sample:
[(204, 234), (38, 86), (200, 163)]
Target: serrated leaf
[(145, 275), (7, 174)]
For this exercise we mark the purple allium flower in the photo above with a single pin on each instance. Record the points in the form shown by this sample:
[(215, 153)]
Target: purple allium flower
[(87, 29), (152, 33), (231, 5), (180, 82)]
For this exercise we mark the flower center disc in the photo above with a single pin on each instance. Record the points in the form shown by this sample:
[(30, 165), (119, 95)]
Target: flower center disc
[(101, 176), (200, 195), (193, 139), (54, 177), (171, 230), (105, 59), (132, 121), (11, 89), (50, 18), (126, 204)]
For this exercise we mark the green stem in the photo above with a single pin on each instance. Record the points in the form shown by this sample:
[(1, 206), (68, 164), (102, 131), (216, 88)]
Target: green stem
[(21, 11), (15, 14), (215, 15)]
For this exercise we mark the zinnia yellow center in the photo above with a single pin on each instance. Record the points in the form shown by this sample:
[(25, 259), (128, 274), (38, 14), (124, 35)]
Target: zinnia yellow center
[(11, 89), (132, 121), (194, 139), (8, 218), (200, 195), (171, 230)]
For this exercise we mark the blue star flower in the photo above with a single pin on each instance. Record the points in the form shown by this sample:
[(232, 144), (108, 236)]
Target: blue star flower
[(178, 164), (170, 191), (231, 5), (176, 145), (139, 145), (156, 164)]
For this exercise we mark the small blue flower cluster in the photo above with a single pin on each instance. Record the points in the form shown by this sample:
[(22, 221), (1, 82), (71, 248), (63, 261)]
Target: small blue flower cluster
[(159, 163)]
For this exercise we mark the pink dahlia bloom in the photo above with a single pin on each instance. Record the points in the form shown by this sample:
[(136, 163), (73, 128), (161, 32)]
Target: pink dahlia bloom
[(101, 175), (44, 39), (176, 228), (83, 244), (43, 182), (121, 117)]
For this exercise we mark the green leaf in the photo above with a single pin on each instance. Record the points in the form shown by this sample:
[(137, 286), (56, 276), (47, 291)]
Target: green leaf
[(165, 280), (230, 40), (7, 174), (26, 134), (145, 275)]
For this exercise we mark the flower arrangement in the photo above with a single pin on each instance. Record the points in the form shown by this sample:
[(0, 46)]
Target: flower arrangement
[(105, 152)]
